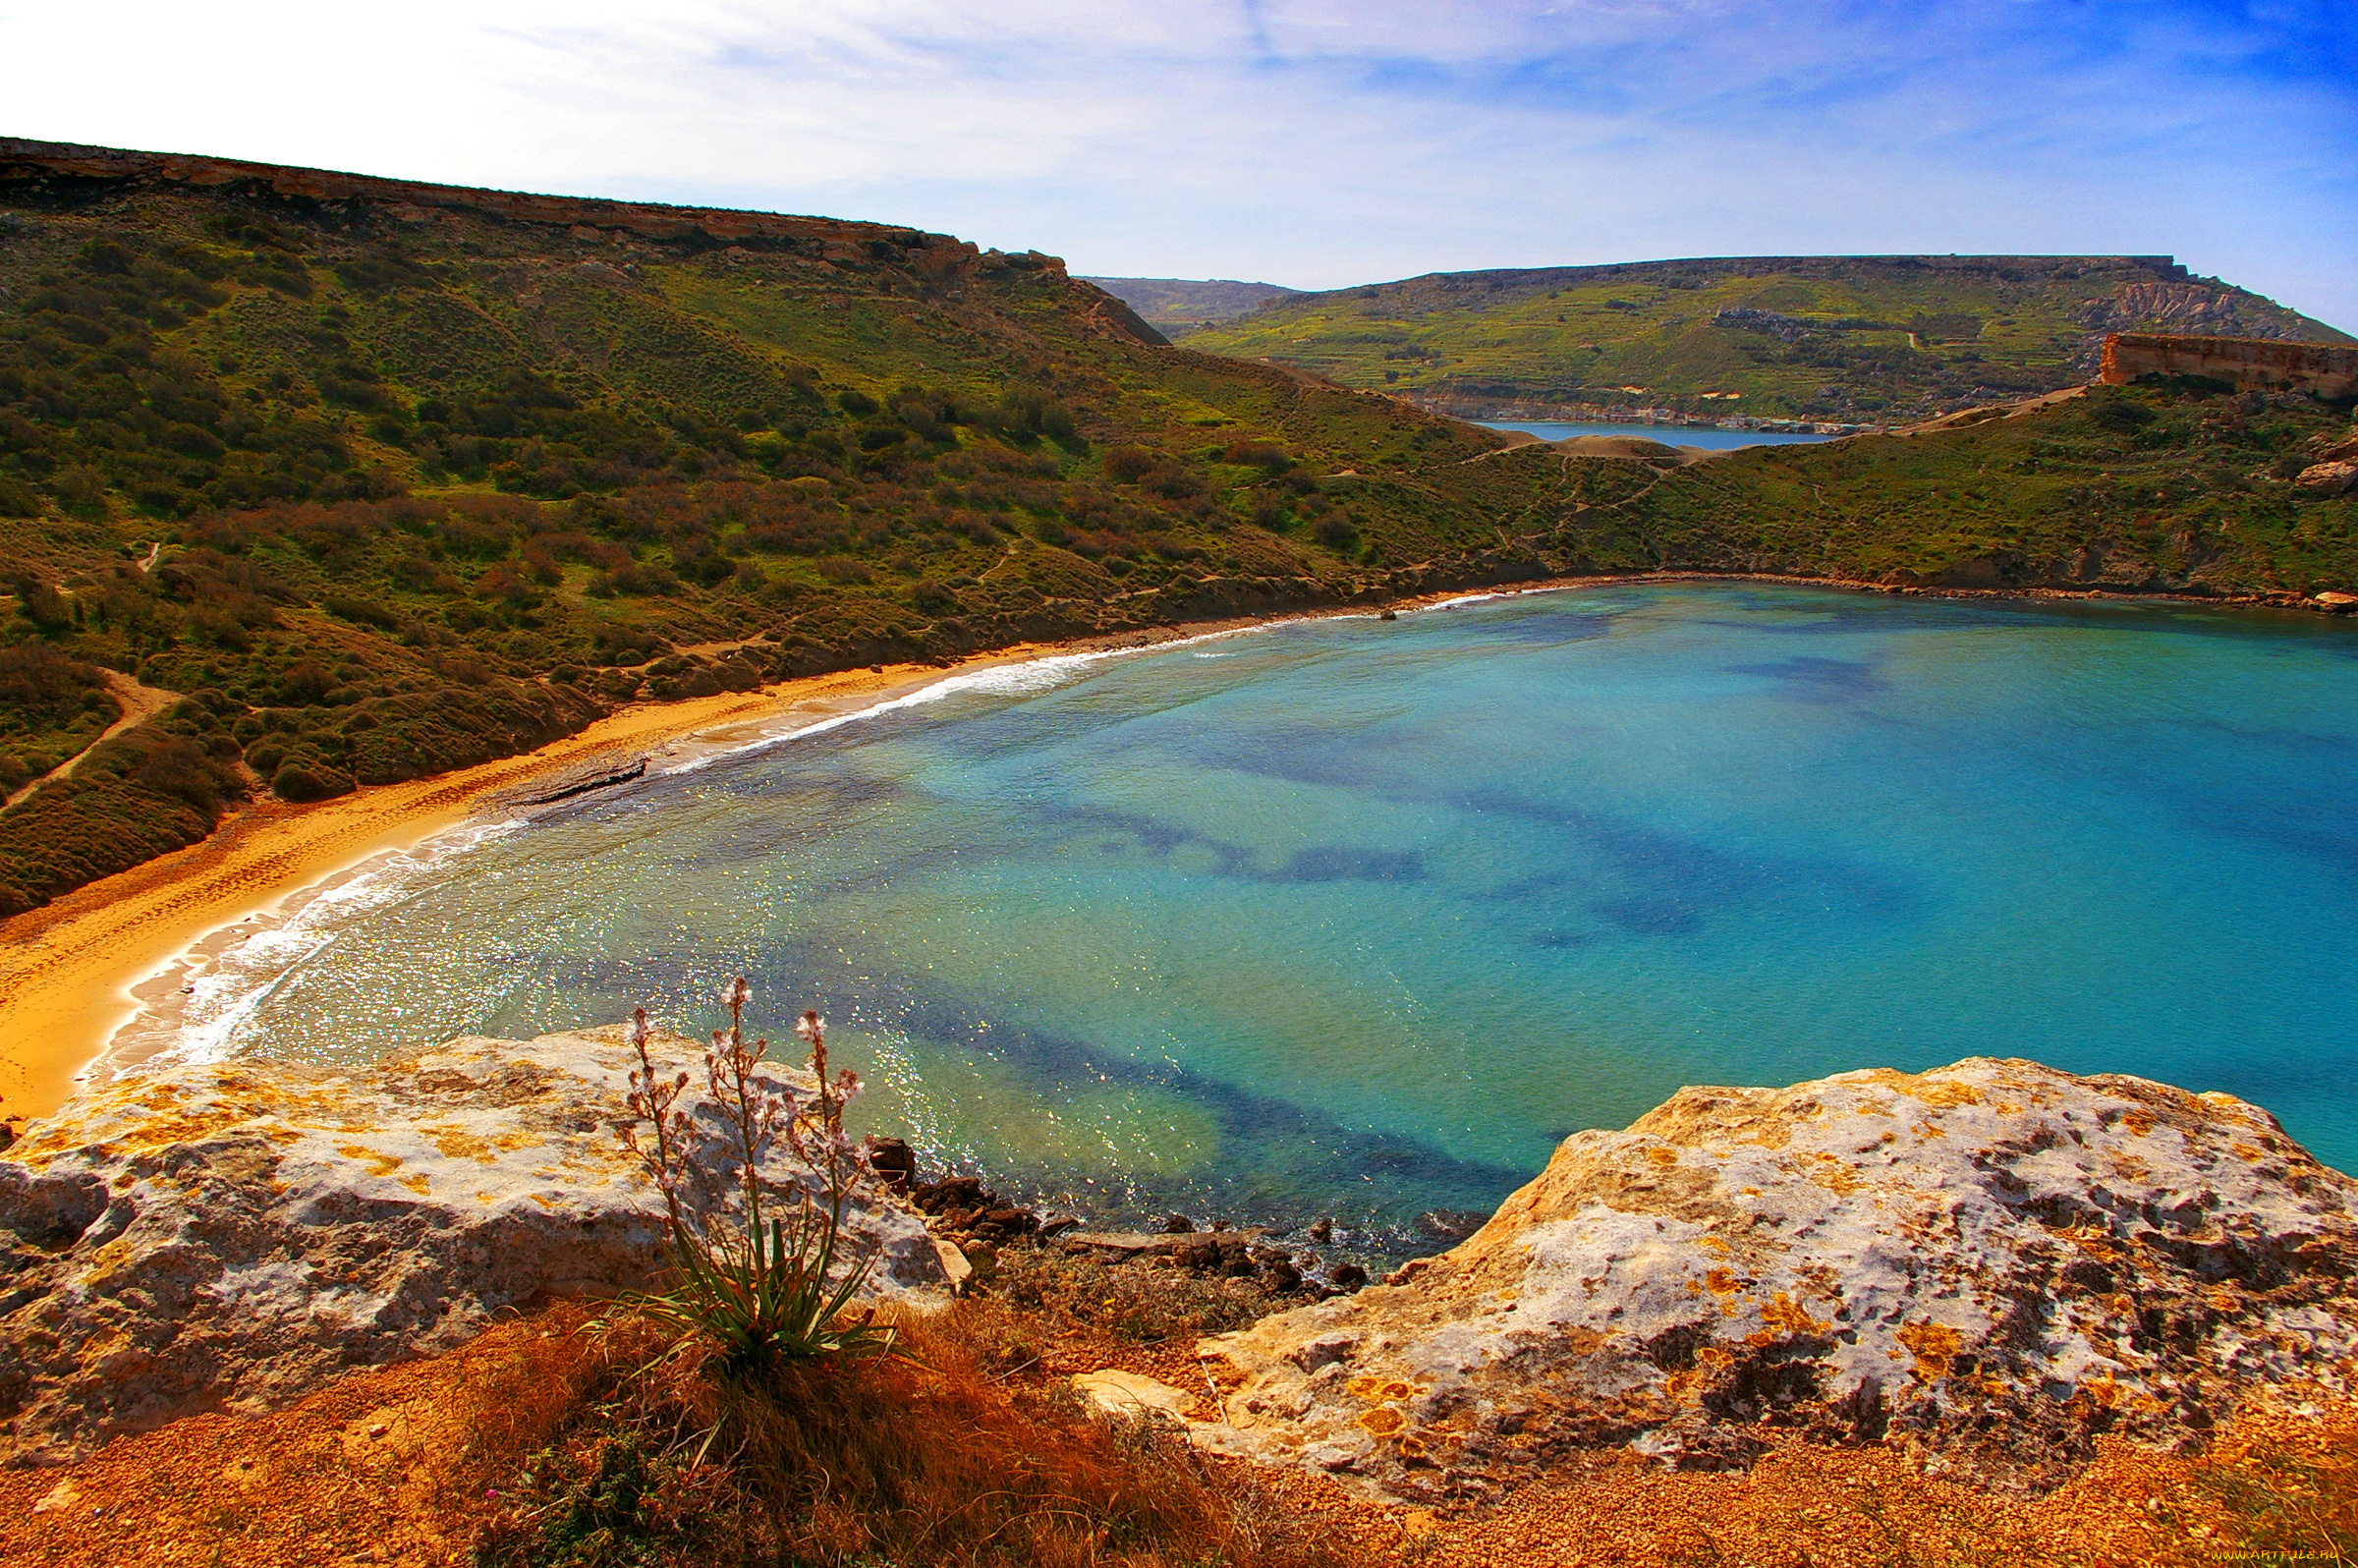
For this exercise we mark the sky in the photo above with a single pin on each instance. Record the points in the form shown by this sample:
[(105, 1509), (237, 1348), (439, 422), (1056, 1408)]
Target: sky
[(1309, 143)]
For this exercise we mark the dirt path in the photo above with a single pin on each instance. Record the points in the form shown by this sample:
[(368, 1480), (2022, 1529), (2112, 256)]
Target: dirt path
[(139, 703)]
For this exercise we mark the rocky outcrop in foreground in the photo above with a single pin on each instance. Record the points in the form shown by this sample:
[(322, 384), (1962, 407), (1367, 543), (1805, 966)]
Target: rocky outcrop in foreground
[(1992, 1263), (236, 1235)]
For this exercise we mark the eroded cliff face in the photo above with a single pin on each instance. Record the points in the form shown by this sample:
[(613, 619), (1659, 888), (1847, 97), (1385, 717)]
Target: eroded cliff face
[(2328, 369), (237, 1234), (1992, 1263)]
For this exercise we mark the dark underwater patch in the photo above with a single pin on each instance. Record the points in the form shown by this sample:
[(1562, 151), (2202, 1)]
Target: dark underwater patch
[(1341, 864), (1809, 678), (1283, 1164)]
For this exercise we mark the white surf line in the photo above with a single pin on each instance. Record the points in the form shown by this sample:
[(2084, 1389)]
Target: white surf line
[(225, 984), (185, 1008), (1510, 594), (1024, 676), (188, 1006)]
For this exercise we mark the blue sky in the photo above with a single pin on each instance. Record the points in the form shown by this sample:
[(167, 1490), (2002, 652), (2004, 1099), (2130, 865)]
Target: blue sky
[(1314, 142)]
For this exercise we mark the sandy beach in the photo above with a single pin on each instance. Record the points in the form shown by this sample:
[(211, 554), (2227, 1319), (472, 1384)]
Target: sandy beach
[(74, 972)]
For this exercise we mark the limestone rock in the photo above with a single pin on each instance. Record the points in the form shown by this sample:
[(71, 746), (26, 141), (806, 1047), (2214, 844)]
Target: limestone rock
[(2328, 478), (1130, 1396), (237, 1234), (1991, 1264)]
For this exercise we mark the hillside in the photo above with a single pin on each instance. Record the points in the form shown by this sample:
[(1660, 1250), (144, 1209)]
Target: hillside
[(1863, 339), (2180, 487), (389, 479), (360, 480), (1177, 305)]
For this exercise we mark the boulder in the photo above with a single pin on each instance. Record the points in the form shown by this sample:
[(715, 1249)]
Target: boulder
[(236, 1234), (893, 1161), (1991, 1265), (1128, 1396), (2328, 478)]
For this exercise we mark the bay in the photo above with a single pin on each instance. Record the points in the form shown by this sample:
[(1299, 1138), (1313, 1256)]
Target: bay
[(1358, 917)]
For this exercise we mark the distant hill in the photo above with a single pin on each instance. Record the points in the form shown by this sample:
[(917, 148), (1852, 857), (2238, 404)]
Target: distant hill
[(1177, 305), (1864, 339)]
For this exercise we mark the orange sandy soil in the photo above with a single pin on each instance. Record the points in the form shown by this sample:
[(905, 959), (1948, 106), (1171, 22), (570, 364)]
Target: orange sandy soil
[(366, 1472)]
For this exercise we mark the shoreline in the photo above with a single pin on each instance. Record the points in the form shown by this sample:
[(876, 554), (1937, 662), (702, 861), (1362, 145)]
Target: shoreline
[(78, 971)]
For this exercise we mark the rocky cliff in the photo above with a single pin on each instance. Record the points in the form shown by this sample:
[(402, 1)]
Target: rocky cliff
[(1992, 1263), (236, 1235), (2323, 368)]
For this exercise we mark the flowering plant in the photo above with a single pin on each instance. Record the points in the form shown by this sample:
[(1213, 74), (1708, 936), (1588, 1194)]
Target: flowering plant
[(761, 1286)]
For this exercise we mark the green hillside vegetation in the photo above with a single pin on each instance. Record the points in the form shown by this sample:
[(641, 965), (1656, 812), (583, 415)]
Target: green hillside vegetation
[(51, 706), (385, 479), (2182, 486), (1856, 339), (427, 483)]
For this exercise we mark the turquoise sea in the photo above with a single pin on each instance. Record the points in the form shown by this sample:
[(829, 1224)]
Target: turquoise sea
[(1713, 439), (1358, 917)]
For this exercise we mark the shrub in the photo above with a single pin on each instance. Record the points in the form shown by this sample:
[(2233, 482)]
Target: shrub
[(948, 1458), (1129, 464), (183, 769), (361, 612), (303, 683), (1266, 456), (1137, 1305), (626, 644), (755, 1287), (299, 781), (38, 683), (2119, 413), (40, 602), (634, 581), (1336, 532)]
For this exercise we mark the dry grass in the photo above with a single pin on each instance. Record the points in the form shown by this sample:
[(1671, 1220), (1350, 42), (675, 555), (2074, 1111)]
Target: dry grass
[(2283, 1489), (978, 1459), (1130, 1303), (588, 1456)]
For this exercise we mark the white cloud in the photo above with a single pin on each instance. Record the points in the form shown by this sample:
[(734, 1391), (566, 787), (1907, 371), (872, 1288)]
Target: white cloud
[(1314, 141)]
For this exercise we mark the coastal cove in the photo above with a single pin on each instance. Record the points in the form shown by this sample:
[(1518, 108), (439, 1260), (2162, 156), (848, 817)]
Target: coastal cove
[(1710, 439), (75, 972), (1258, 926)]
